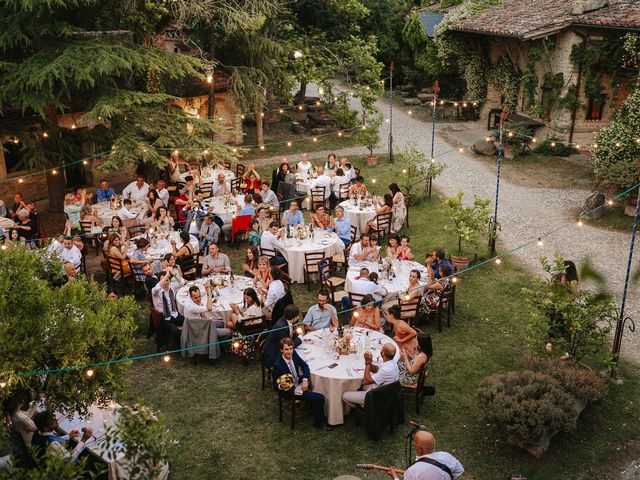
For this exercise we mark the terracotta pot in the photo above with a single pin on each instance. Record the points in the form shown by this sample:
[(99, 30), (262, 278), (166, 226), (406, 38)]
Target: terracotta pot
[(372, 161), (347, 134), (460, 263), (509, 151), (630, 210)]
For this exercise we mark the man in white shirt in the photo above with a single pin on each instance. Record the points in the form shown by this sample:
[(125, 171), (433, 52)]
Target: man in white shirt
[(275, 292), (70, 253), (269, 196), (362, 285), (322, 181), (272, 240), (136, 191), (125, 212), (193, 307), (375, 375), (220, 187), (361, 251), (429, 464), (163, 193), (163, 297)]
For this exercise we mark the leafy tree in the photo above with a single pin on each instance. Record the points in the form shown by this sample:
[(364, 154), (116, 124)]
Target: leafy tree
[(423, 48), (468, 220), (45, 328), (369, 134), (57, 58)]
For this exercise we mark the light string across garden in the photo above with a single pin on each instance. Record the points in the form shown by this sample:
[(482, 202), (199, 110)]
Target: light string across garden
[(496, 260)]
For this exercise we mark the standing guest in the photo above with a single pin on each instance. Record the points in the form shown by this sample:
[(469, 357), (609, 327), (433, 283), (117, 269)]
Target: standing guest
[(195, 216), (322, 181), (54, 444), (22, 420), (153, 202), (163, 298), (331, 165), (72, 208), (138, 258), (322, 314), (283, 328), (275, 292), (341, 225), (125, 212), (251, 168), (367, 315), (162, 221), (404, 251), (289, 362), (272, 239), (250, 308), (384, 206), (362, 251), (221, 187), (320, 219), (399, 208), (304, 165), (193, 307), (250, 264), (435, 259), (403, 334), (374, 375), (181, 201), (215, 262), (209, 233), (18, 204), (163, 193), (185, 249), (269, 197), (430, 464), (70, 253), (393, 243), (104, 192), (136, 191), (359, 189), (293, 216), (254, 236), (173, 167)]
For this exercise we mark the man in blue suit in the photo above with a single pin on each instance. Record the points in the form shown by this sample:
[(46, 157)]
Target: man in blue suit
[(283, 328), (289, 362)]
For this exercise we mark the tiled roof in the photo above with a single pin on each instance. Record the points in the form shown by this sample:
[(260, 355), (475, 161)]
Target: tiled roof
[(534, 18)]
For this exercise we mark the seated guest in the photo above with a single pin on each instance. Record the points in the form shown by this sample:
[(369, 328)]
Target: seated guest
[(55, 444), (362, 251), (185, 249), (252, 182), (193, 307), (69, 273), (169, 265), (18, 204), (380, 292), (322, 181), (431, 294), (153, 202), (269, 197), (331, 164), (195, 215), (290, 363), (72, 208), (89, 214), (374, 375), (320, 219), (163, 193), (262, 277), (221, 187), (150, 280), (119, 250), (249, 309), (264, 219), (410, 363), (373, 242), (25, 225), (348, 169), (138, 258), (414, 290), (250, 264), (284, 174), (358, 189), (117, 227), (367, 315), (272, 239), (285, 327), (341, 225), (22, 420), (362, 285), (3, 209), (104, 192), (125, 212), (304, 165), (404, 251), (435, 259), (393, 243), (163, 297), (322, 314), (209, 233), (293, 216), (162, 221), (403, 334), (385, 206), (136, 191), (246, 209), (275, 292), (337, 181), (254, 236), (14, 238), (70, 253), (215, 262)]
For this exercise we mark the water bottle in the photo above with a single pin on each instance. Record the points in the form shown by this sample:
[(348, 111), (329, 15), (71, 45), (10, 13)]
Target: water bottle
[(232, 280), (367, 342)]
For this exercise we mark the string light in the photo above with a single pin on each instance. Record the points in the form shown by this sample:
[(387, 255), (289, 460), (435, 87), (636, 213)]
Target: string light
[(318, 103), (534, 139), (235, 150), (454, 279), (20, 180), (618, 144), (73, 126), (373, 180), (510, 134), (407, 297), (339, 134), (300, 107), (206, 152), (386, 120), (242, 116), (262, 114), (90, 373), (166, 358), (404, 170), (84, 162), (441, 102), (289, 144), (498, 261), (455, 104), (4, 247), (236, 344), (261, 147), (610, 202), (540, 243), (3, 384), (176, 152), (54, 172), (433, 160), (487, 139), (315, 139), (299, 330), (580, 223), (410, 112), (553, 144), (464, 105), (595, 145), (461, 149), (356, 314), (45, 135), (281, 111), (364, 127)]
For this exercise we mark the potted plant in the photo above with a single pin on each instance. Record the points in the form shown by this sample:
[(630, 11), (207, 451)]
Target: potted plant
[(468, 222), (369, 137)]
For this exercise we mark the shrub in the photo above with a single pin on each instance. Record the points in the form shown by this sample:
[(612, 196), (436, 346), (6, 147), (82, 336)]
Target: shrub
[(558, 149)]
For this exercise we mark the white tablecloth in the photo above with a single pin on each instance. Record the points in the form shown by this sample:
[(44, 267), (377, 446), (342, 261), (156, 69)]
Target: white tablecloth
[(228, 295), (330, 245), (161, 247), (7, 223), (358, 216), (399, 284), (303, 184), (106, 213), (347, 376), (98, 419), (209, 175), (225, 212)]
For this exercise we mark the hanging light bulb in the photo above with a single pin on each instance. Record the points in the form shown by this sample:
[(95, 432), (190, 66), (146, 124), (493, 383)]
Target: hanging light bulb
[(261, 147), (540, 243), (461, 149), (580, 223), (318, 103), (373, 180), (454, 279), (176, 152), (90, 373), (288, 144), (281, 111), (441, 102), (166, 358), (339, 134), (262, 114), (356, 314), (84, 162), (387, 120), (54, 172), (510, 134), (610, 202), (315, 139), (206, 152), (534, 139), (433, 160), (299, 330), (73, 126), (45, 135), (300, 107), (3, 384), (410, 112), (242, 116), (487, 139), (455, 104), (618, 144), (236, 344), (553, 144), (404, 170), (464, 105), (20, 180), (498, 261), (595, 145), (235, 150)]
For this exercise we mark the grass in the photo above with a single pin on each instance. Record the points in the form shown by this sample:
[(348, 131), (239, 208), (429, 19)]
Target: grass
[(278, 134), (227, 427), (613, 218)]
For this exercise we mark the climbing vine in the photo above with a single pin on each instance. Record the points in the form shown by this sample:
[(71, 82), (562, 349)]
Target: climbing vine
[(423, 48), (530, 79), (504, 75)]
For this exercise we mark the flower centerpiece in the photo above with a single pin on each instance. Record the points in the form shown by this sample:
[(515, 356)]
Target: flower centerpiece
[(385, 267), (344, 344)]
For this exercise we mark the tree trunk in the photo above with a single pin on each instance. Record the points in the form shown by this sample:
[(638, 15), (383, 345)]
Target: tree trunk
[(211, 103), (259, 123), (301, 93), (56, 188)]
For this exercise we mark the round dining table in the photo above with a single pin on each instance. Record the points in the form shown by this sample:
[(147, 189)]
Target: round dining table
[(399, 283), (224, 207), (106, 213), (303, 184), (318, 350), (161, 245), (209, 175), (358, 215), (326, 242)]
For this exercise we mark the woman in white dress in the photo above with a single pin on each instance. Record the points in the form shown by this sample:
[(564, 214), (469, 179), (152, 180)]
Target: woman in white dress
[(250, 308), (399, 208), (304, 165)]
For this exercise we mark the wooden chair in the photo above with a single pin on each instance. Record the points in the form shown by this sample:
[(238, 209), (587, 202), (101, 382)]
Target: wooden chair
[(240, 226), (226, 164), (444, 305), (331, 283), (355, 299), (189, 266), (235, 184), (206, 188), (290, 404), (357, 171), (310, 267), (343, 192), (248, 328), (275, 215), (136, 230), (267, 252), (409, 310), (88, 238), (382, 225), (239, 170), (318, 197), (83, 260), (118, 274), (415, 392), (261, 342), (341, 260)]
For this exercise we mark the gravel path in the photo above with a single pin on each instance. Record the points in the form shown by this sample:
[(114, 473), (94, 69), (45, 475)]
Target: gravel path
[(525, 213)]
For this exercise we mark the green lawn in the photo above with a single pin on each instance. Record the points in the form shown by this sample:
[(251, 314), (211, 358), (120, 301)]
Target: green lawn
[(613, 218), (227, 427)]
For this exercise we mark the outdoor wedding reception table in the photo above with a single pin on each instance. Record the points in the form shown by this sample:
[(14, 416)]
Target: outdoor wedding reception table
[(224, 207), (358, 215), (319, 351), (209, 175), (106, 213), (321, 241), (160, 244), (211, 328), (401, 269), (98, 419)]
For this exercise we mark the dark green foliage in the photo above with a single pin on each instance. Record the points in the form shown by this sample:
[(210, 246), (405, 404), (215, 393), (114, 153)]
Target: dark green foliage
[(559, 150)]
